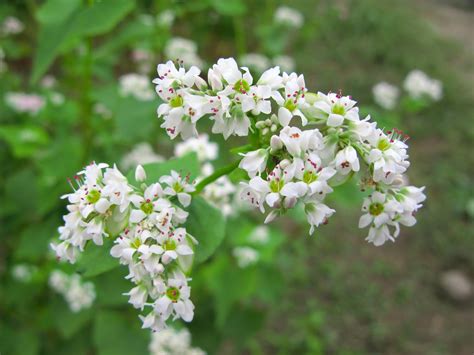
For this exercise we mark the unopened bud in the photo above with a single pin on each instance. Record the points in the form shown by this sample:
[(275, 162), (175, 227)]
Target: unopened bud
[(140, 174)]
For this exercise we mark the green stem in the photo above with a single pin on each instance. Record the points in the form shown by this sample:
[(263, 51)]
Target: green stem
[(216, 175), (239, 36)]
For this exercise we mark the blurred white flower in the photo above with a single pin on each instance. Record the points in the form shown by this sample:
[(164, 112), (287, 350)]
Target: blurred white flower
[(136, 85), (102, 110), (21, 102), (23, 272), (79, 295), (184, 50), (288, 16), (141, 154), (285, 62), (166, 18), (48, 81), (144, 59), (172, 341), (386, 95), (245, 256), (260, 235), (11, 26), (419, 85), (255, 61), (201, 145)]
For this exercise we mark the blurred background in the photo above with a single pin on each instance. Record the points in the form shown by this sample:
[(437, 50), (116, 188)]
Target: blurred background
[(75, 86)]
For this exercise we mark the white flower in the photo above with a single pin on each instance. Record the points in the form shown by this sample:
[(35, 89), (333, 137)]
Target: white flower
[(388, 156), (379, 210), (254, 162), (201, 145), (21, 102), (298, 142), (175, 300), (103, 111), (260, 235), (23, 272), (293, 100), (140, 174), (386, 95), (116, 188), (335, 109), (12, 26), (79, 295), (245, 256), (173, 342), (316, 212), (141, 153), (178, 186), (289, 17), (136, 85), (183, 49), (255, 61), (271, 78), (166, 18), (419, 85), (138, 296), (346, 161), (378, 236), (286, 63)]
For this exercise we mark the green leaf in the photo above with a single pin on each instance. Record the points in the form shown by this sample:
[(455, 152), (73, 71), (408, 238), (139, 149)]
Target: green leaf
[(229, 7), (134, 119), (24, 140), (206, 223), (58, 31), (34, 240), (96, 259), (69, 323), (187, 164), (56, 11), (116, 334)]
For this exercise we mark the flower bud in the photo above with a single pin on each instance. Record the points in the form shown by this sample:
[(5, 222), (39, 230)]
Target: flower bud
[(140, 174), (276, 144)]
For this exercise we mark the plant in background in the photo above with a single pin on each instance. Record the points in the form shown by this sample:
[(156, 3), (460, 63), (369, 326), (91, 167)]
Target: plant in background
[(301, 145)]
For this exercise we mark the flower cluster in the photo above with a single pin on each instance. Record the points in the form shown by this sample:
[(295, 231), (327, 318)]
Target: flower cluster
[(79, 295), (386, 95), (25, 103), (419, 85), (173, 342), (289, 17), (136, 85), (287, 165), (184, 50), (146, 225)]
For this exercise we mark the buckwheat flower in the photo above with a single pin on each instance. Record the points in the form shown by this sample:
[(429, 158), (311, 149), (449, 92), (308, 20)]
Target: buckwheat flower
[(255, 61), (283, 192), (245, 256), (185, 50), (152, 200), (317, 213), (103, 111), (201, 145), (298, 142), (138, 296), (175, 244), (12, 26), (140, 154), (219, 194), (271, 78), (411, 197), (289, 17), (334, 109), (234, 122), (79, 295), (140, 174), (378, 236), (58, 281), (260, 235), (178, 186), (137, 86), (48, 82), (254, 162), (346, 161), (286, 63), (23, 272), (173, 342), (419, 85), (175, 301), (293, 99), (315, 175), (380, 209), (386, 95), (25, 103), (169, 75), (116, 188), (388, 155), (254, 192)]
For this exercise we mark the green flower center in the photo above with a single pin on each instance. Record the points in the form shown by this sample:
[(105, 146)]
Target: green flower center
[(383, 144), (290, 105), (276, 185), (338, 109), (177, 187), (376, 208), (170, 245), (93, 196), (176, 101), (136, 243), (241, 86), (309, 177), (147, 207), (173, 294)]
